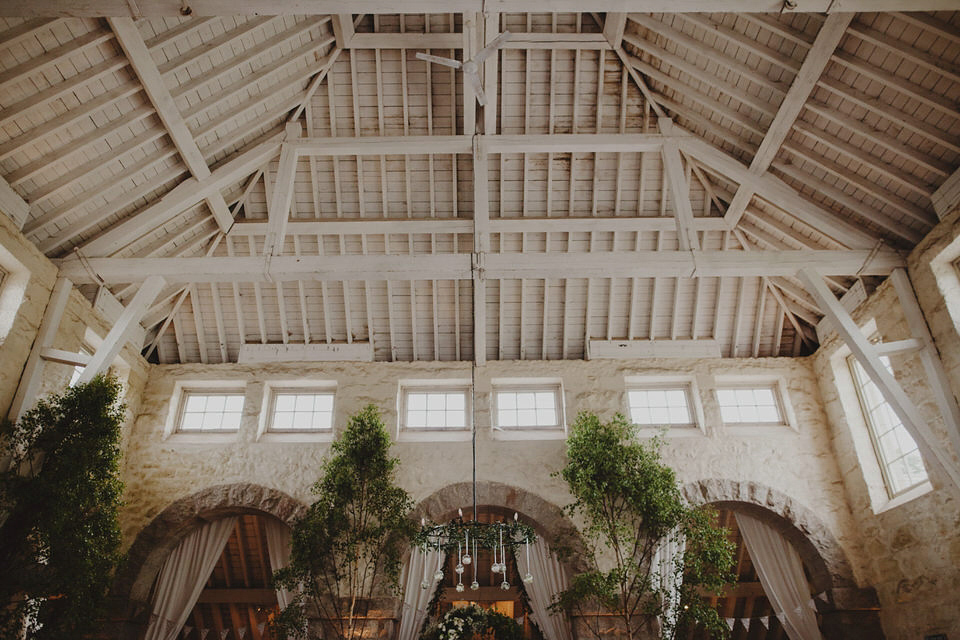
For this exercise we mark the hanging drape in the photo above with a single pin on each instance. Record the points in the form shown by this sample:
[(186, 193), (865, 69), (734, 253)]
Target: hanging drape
[(549, 579), (278, 548), (420, 569), (668, 553), (781, 574), (183, 575)]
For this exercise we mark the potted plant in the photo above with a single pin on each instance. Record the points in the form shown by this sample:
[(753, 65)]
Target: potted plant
[(348, 546), (630, 505)]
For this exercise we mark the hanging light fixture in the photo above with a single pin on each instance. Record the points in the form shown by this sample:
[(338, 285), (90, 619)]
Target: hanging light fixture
[(466, 536)]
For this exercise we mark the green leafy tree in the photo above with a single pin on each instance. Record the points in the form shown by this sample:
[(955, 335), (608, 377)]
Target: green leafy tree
[(59, 530), (351, 541), (630, 502)]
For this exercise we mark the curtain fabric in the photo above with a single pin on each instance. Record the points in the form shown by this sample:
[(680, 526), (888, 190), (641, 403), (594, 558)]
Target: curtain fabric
[(183, 575), (278, 548), (781, 574), (420, 569), (549, 579), (668, 553)]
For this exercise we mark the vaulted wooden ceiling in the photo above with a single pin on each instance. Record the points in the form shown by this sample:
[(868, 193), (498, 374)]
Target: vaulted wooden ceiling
[(637, 184)]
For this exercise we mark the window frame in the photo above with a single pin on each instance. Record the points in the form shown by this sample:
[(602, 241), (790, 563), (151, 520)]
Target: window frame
[(181, 389), (407, 433), (534, 432), (687, 384), (184, 398), (777, 385), (265, 430), (868, 421)]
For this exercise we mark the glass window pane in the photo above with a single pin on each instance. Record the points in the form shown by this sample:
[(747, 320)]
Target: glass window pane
[(507, 400), (416, 401)]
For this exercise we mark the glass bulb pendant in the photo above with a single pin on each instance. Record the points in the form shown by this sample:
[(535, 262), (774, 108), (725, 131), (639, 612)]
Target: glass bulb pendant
[(505, 585), (528, 578), (459, 569), (466, 559), (474, 585), (459, 587), (438, 576)]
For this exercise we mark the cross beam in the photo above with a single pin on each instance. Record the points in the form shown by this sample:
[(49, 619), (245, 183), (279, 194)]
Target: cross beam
[(638, 264)]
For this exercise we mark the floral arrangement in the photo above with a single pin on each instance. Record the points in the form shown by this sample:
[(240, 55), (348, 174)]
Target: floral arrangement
[(463, 623)]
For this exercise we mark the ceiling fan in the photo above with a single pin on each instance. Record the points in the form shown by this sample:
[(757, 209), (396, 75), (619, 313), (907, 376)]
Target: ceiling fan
[(471, 68)]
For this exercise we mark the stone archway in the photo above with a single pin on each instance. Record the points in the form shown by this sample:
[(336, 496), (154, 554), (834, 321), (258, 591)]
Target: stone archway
[(131, 590), (548, 519), (851, 611)]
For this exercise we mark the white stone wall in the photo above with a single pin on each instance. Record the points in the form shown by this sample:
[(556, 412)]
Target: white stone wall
[(912, 549), (798, 463)]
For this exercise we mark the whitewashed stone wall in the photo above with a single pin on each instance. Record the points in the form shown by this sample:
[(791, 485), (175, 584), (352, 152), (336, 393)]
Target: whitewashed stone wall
[(798, 463), (912, 549)]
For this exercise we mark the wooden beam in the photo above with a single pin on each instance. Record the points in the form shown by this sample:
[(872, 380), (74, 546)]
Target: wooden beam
[(11, 204), (679, 190), (32, 376), (595, 41), (406, 41), (866, 354), (70, 358), (382, 145), (117, 337), (576, 143), (343, 30), (613, 27), (828, 39), (606, 349), (947, 197), (279, 202), (642, 264), (316, 352), (779, 194), (173, 8), (481, 246)]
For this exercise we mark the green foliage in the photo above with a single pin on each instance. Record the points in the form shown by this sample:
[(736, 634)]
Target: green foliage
[(630, 501), (470, 621), (59, 531), (352, 538)]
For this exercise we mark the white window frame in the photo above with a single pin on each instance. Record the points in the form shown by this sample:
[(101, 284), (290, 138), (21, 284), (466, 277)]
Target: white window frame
[(868, 421), (13, 289), (181, 388), (687, 384), (427, 434), (266, 433), (778, 385), (556, 431)]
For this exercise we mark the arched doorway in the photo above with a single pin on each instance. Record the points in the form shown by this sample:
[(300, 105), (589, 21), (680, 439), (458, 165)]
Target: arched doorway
[(511, 602)]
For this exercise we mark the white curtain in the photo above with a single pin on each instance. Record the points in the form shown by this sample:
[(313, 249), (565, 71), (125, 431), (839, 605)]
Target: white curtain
[(549, 579), (278, 548), (420, 569), (668, 553), (781, 574), (183, 575)]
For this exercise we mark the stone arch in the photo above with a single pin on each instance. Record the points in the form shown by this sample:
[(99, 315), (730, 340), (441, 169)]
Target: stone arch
[(131, 590), (808, 534), (548, 519)]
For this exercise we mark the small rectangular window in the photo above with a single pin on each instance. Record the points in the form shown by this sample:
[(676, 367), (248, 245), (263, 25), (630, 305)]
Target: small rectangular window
[(896, 450), (301, 410), (750, 406), (528, 407), (210, 411), (660, 406), (435, 408)]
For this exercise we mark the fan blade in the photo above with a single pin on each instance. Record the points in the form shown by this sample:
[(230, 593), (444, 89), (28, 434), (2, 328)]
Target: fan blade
[(474, 80), (447, 62), (488, 50)]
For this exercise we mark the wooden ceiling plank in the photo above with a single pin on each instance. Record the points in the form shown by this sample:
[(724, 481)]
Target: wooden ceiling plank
[(944, 105), (185, 29), (771, 55), (780, 28), (680, 64), (242, 85), (225, 42), (818, 56), (890, 43), (12, 204), (713, 55), (52, 57), (930, 24), (25, 30), (838, 195)]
